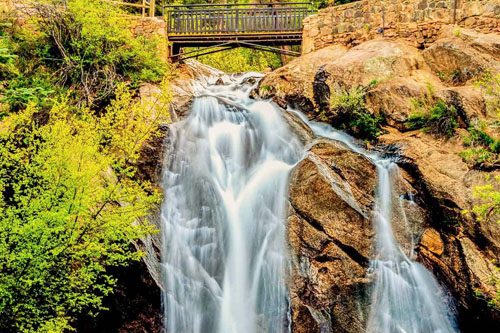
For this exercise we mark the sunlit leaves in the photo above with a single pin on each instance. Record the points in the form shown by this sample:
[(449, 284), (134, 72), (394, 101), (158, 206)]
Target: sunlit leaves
[(70, 207)]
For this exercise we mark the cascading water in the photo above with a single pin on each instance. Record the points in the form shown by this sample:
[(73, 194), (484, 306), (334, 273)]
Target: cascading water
[(406, 297), (224, 257)]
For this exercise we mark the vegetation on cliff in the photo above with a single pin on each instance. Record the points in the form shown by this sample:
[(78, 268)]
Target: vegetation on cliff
[(352, 115), (71, 133)]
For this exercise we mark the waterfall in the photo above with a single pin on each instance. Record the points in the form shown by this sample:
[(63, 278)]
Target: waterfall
[(406, 297), (224, 257)]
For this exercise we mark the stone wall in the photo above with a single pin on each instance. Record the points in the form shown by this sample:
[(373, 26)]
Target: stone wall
[(417, 21), (152, 27)]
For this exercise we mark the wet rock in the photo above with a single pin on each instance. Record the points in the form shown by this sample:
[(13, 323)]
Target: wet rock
[(182, 86), (321, 90), (134, 307), (458, 249), (330, 236)]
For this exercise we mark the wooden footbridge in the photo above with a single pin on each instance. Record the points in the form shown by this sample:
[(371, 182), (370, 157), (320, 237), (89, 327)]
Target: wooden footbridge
[(215, 27)]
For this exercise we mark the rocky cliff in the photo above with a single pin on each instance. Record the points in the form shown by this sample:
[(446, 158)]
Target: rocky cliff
[(332, 189)]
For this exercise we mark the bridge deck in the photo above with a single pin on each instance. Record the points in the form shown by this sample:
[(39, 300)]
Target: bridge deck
[(257, 25)]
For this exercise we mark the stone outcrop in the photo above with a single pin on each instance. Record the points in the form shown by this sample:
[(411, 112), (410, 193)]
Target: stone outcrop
[(460, 250), (463, 56), (134, 307), (403, 74), (330, 233)]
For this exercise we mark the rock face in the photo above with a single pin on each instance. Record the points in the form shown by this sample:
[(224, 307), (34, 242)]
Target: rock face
[(133, 308), (403, 74), (332, 189), (330, 233), (462, 55)]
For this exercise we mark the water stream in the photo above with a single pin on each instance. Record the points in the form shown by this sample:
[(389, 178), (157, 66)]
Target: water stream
[(225, 262), (224, 257)]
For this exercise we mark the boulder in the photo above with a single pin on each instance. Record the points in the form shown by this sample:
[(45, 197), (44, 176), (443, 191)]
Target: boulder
[(330, 235), (463, 55), (399, 75)]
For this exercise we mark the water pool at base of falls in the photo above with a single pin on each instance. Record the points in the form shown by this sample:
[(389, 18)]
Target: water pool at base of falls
[(225, 259)]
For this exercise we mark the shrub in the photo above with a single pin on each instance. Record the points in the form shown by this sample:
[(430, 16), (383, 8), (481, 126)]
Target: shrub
[(484, 149), (440, 120), (69, 208), (489, 83), (241, 60), (477, 136), (8, 68), (489, 200), (350, 113), (88, 44), (22, 91), (479, 157)]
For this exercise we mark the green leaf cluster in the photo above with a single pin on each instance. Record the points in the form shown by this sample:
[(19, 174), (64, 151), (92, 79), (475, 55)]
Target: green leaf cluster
[(489, 198), (440, 119), (70, 206), (483, 149), (239, 60), (489, 83), (87, 46), (351, 114)]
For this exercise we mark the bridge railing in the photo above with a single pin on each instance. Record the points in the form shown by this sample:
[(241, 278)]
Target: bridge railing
[(235, 18), (146, 7)]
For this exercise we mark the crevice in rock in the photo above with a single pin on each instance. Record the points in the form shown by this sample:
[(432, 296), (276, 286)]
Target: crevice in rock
[(350, 251), (325, 258)]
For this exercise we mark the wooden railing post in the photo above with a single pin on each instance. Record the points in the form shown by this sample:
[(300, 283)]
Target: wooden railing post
[(152, 8)]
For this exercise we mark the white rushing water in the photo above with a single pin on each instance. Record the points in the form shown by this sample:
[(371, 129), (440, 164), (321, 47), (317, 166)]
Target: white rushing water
[(406, 298), (224, 259)]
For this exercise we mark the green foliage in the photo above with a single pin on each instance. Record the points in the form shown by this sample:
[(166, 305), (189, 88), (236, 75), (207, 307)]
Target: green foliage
[(8, 68), (495, 301), (89, 45), (70, 206), (478, 157), (489, 200), (23, 91), (489, 83), (477, 136), (440, 119), (350, 114), (483, 149), (71, 134), (241, 60)]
